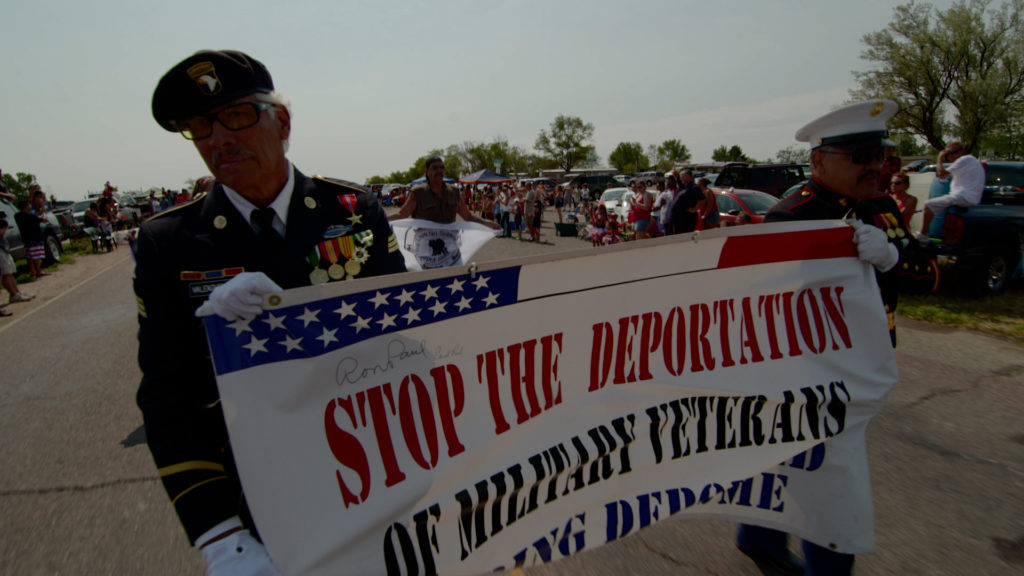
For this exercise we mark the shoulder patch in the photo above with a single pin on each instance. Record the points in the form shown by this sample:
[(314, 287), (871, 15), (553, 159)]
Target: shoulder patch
[(178, 207), (351, 186)]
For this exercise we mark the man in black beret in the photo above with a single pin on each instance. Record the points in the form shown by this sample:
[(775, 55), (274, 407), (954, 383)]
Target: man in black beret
[(264, 226)]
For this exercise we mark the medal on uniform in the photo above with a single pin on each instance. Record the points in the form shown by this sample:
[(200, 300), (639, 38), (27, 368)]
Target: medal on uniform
[(353, 267), (330, 250), (890, 233), (348, 201), (365, 237), (318, 276)]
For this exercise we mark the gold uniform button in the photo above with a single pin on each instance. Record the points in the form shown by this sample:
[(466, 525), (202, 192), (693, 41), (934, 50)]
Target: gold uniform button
[(220, 222), (310, 202)]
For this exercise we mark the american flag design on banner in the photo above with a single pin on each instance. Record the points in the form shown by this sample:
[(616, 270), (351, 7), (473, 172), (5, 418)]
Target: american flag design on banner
[(314, 328)]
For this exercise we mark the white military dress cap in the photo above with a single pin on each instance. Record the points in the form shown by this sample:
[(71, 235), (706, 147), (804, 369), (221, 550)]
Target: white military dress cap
[(861, 125)]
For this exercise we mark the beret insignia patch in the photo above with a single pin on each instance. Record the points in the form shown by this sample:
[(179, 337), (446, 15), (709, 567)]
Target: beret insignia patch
[(205, 77)]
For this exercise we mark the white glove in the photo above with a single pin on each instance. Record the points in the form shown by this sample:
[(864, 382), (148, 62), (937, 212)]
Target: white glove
[(873, 247), (238, 554), (240, 297)]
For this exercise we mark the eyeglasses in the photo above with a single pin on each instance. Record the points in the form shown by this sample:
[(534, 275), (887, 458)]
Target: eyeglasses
[(861, 156), (235, 117)]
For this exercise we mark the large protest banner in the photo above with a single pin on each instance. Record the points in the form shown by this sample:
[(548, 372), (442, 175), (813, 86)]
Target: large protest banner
[(462, 421)]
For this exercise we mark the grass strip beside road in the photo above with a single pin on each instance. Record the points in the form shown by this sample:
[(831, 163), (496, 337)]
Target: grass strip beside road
[(1001, 315)]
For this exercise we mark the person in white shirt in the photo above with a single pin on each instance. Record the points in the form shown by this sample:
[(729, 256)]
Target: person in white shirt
[(966, 188)]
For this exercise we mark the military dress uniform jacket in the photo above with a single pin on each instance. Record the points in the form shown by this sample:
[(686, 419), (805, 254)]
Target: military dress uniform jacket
[(181, 255), (815, 202)]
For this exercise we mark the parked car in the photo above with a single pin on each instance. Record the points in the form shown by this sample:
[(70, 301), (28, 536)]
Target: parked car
[(52, 235), (771, 178), (732, 201), (915, 166), (985, 241), (69, 228), (596, 183), (649, 178), (386, 193), (131, 215), (548, 183), (1004, 183), (616, 200), (78, 209), (793, 189)]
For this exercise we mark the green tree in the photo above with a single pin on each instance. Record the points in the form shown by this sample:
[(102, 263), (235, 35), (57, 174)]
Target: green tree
[(910, 145), (957, 73), (566, 142), (478, 156), (19, 183), (629, 157), (732, 154), (670, 153), (794, 154)]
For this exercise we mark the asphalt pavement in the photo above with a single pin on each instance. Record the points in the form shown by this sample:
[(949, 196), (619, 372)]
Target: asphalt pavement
[(79, 493)]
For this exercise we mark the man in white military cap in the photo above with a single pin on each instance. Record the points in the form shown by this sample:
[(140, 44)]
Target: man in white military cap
[(848, 147)]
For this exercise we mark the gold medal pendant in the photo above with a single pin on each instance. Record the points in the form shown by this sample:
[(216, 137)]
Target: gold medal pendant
[(318, 276), (890, 233), (353, 267), (336, 271)]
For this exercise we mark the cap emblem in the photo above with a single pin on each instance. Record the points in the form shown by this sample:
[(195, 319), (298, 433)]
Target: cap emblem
[(878, 108), (205, 77)]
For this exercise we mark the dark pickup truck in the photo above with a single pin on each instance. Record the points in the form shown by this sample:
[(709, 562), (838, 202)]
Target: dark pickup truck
[(986, 241), (771, 178)]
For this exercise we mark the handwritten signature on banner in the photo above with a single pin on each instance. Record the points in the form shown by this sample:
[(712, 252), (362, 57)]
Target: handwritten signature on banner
[(353, 369)]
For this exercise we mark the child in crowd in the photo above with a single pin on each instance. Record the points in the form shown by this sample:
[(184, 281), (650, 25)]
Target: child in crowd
[(538, 210), (614, 229), (599, 225)]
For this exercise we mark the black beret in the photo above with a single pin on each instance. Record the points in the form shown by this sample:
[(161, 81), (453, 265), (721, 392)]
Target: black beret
[(206, 80)]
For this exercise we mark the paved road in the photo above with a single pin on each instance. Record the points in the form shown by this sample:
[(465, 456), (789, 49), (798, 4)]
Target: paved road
[(79, 494)]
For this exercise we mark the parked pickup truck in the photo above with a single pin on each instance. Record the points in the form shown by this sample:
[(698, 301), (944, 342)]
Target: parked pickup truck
[(986, 241)]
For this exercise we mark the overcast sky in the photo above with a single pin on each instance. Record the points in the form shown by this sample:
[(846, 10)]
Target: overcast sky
[(376, 84)]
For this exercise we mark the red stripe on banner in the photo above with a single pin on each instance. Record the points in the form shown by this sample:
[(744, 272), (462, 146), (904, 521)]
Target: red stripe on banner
[(807, 245)]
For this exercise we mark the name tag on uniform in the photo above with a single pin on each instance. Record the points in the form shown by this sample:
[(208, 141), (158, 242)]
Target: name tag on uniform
[(201, 283)]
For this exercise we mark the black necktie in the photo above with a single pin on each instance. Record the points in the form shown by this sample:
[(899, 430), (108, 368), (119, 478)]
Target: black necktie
[(269, 243)]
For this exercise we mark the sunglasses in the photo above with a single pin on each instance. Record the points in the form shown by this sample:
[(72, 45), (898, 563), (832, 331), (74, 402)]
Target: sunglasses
[(235, 117), (861, 156)]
